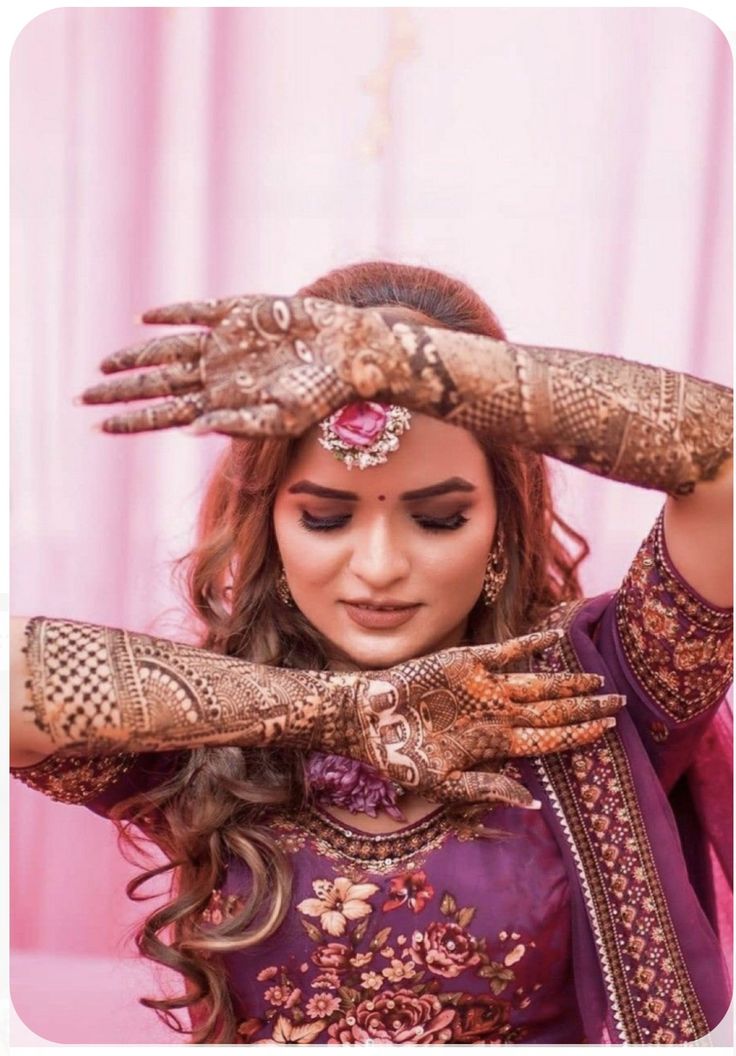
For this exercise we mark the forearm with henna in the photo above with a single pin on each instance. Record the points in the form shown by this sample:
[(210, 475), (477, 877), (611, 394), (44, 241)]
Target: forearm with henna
[(98, 690), (632, 422), (101, 690), (276, 365)]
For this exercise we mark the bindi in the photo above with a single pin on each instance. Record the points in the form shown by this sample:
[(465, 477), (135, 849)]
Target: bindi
[(381, 498)]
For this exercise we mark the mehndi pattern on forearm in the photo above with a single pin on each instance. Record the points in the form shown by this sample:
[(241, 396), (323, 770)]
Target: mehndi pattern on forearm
[(274, 366), (101, 690), (98, 690), (616, 418)]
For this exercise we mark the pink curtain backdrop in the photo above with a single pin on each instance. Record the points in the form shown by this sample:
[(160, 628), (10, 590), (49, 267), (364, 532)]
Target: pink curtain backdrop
[(573, 165)]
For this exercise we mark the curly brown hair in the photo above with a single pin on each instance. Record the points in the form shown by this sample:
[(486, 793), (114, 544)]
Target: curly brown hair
[(214, 806)]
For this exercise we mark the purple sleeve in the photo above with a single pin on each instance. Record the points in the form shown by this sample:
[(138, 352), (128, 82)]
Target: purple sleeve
[(99, 783), (670, 652)]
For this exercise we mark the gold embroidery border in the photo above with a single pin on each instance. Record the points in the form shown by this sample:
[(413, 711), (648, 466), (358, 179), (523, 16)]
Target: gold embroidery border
[(376, 852), (557, 773), (74, 779)]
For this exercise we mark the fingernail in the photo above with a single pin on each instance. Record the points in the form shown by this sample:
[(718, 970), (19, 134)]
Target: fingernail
[(77, 400), (535, 805), (609, 722), (137, 320)]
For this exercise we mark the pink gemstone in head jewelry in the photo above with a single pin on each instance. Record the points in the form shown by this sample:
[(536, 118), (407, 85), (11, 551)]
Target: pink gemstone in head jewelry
[(363, 434)]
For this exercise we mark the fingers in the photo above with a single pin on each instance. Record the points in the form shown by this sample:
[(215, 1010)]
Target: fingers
[(164, 381), (180, 411), (265, 419), (202, 313), (542, 686), (566, 712), (527, 740), (474, 786), (177, 348), (498, 654)]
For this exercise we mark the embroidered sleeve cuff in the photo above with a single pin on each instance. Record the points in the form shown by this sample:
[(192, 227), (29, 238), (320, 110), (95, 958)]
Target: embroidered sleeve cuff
[(678, 646), (73, 779)]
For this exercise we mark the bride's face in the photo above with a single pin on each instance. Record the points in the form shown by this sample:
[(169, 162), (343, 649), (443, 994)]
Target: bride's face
[(416, 531)]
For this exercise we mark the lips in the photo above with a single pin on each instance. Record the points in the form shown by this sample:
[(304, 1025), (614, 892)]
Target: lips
[(377, 617)]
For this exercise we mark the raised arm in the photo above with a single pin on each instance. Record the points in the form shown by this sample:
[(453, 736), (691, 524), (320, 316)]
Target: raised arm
[(277, 365), (634, 423)]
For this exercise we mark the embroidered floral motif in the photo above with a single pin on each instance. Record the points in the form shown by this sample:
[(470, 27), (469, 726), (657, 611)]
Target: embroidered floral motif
[(397, 1017), (377, 986), (679, 647), (445, 949)]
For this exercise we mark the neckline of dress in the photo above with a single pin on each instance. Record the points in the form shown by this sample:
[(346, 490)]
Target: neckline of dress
[(378, 837)]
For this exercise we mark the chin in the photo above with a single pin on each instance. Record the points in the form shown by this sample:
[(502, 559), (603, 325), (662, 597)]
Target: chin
[(380, 654)]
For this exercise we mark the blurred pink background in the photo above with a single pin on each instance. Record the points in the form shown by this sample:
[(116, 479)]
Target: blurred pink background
[(573, 165)]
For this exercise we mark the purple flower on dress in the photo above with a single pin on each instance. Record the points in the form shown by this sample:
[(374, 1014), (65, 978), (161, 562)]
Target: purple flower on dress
[(348, 783)]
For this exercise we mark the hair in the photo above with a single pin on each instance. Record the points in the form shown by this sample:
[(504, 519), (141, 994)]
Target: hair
[(214, 805)]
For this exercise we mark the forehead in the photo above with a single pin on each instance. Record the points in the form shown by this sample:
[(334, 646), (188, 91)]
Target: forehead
[(429, 451)]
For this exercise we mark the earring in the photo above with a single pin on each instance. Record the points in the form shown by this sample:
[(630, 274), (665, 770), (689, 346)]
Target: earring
[(282, 589), (496, 570)]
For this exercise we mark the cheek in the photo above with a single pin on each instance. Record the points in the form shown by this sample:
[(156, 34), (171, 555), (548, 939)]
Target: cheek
[(461, 559), (307, 557)]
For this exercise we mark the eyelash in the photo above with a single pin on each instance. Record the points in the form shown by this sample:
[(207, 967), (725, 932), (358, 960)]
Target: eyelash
[(430, 524)]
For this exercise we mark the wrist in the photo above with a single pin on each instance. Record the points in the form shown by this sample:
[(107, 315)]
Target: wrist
[(346, 725)]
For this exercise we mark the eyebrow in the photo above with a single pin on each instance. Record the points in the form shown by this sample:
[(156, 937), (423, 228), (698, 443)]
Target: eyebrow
[(307, 487)]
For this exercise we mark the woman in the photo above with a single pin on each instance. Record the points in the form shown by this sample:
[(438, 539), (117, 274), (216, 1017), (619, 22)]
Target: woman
[(350, 570)]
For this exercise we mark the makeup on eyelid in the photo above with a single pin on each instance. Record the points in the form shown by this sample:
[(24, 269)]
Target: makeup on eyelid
[(449, 522)]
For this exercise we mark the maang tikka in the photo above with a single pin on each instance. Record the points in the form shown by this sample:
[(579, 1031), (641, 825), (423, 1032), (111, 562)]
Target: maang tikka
[(496, 569), (363, 434)]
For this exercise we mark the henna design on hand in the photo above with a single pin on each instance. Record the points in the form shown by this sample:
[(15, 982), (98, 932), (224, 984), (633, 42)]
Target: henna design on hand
[(430, 721), (426, 723), (265, 366), (277, 365)]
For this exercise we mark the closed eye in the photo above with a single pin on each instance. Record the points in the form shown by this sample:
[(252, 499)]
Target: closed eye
[(442, 524), (430, 524), (321, 524)]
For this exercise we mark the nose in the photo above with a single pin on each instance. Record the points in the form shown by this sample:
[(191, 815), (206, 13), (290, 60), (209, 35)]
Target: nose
[(378, 558)]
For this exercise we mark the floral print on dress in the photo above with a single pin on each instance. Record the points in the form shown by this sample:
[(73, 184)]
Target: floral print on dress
[(338, 902), (375, 982)]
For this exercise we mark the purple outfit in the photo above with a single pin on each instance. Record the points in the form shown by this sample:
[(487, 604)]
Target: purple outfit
[(582, 922)]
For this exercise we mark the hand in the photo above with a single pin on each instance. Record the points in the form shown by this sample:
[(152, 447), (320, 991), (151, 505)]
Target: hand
[(266, 366), (428, 722)]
